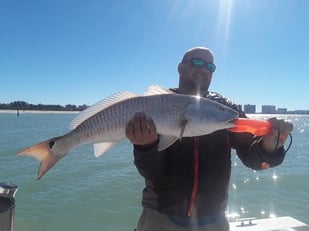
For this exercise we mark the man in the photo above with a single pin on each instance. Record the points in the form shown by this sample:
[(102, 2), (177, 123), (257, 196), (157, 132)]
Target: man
[(187, 184)]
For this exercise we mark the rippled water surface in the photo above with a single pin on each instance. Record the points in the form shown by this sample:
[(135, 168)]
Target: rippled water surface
[(86, 193)]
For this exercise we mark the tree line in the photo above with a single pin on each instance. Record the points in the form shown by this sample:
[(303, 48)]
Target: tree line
[(22, 105)]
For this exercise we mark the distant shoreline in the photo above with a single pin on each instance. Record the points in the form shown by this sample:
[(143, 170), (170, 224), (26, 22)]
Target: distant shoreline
[(2, 111), (38, 112)]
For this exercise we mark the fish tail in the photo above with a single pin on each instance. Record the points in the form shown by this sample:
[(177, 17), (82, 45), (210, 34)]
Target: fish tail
[(44, 153)]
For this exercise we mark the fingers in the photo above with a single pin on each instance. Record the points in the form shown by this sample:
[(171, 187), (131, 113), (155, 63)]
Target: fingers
[(279, 126), (141, 130)]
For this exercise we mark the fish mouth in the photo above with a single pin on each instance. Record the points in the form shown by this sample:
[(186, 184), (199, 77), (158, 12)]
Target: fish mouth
[(232, 122)]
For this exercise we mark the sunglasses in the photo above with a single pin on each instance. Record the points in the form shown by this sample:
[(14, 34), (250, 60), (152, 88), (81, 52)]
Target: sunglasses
[(201, 63)]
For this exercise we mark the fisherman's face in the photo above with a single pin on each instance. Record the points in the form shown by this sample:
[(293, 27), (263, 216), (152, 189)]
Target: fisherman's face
[(195, 78)]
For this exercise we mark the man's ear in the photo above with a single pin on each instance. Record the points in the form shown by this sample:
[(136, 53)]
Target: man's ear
[(180, 67)]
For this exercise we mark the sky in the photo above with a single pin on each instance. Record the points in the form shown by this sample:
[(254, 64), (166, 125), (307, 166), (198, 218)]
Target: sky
[(79, 52)]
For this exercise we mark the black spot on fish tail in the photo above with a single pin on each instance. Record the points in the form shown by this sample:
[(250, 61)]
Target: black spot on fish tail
[(51, 144)]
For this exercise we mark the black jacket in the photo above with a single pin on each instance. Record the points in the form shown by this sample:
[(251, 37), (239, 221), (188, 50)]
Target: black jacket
[(202, 164)]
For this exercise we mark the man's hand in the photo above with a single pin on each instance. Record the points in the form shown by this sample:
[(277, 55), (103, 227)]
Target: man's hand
[(141, 130), (278, 127)]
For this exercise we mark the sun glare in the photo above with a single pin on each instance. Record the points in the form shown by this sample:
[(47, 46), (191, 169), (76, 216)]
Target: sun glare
[(225, 18)]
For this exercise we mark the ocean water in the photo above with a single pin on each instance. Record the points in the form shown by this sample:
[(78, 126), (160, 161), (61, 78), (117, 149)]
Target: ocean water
[(86, 193)]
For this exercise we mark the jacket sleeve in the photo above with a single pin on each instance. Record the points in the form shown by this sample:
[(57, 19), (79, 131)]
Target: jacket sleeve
[(248, 147), (149, 162), (252, 154)]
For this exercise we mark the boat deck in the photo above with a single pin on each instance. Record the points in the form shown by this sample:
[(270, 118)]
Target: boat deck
[(270, 224)]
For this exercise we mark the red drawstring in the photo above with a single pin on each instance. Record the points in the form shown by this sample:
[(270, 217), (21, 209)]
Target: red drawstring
[(195, 180)]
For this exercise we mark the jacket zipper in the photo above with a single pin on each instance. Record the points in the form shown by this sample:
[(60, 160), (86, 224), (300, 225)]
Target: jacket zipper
[(195, 179)]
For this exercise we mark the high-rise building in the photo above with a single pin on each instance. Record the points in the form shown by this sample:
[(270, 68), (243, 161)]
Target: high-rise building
[(268, 109), (250, 109)]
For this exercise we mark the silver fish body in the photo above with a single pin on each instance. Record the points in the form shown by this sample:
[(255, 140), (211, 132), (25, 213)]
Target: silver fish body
[(203, 116), (170, 113)]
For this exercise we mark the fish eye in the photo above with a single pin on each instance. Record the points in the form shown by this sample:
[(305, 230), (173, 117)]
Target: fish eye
[(222, 109)]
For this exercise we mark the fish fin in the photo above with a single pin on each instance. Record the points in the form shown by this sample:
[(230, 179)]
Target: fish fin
[(166, 141), (101, 105), (157, 90), (44, 153), (183, 124), (101, 148)]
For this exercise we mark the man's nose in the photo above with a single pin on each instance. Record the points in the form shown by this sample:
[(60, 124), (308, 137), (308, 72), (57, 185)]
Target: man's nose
[(205, 70)]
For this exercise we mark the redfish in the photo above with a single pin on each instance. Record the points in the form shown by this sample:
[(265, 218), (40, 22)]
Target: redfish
[(104, 124)]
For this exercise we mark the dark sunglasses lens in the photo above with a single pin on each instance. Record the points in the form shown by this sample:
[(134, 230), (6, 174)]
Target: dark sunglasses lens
[(198, 62), (201, 63), (211, 67)]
